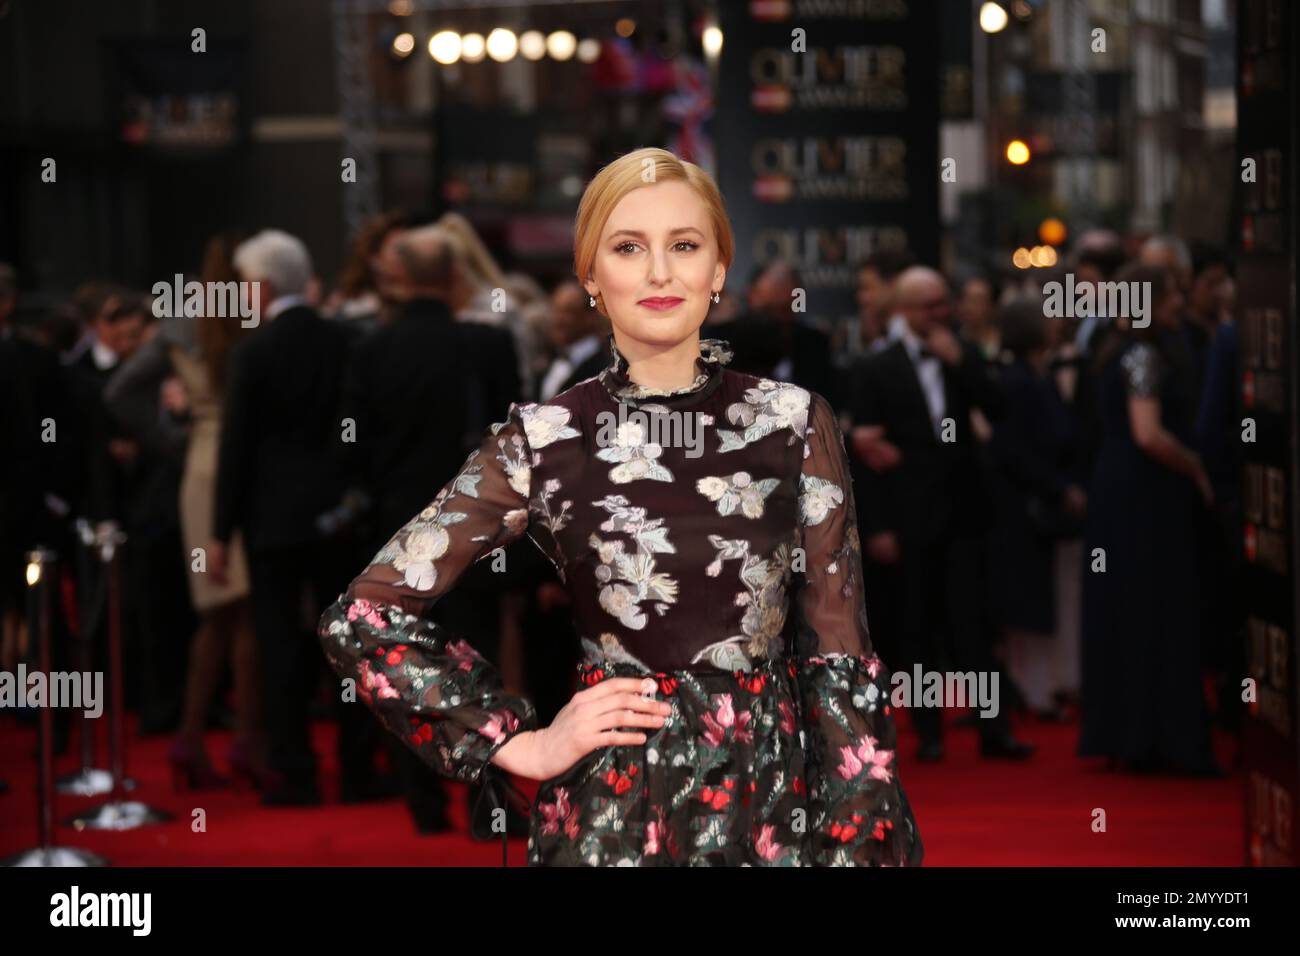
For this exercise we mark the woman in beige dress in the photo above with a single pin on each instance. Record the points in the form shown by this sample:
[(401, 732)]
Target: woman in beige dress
[(189, 356)]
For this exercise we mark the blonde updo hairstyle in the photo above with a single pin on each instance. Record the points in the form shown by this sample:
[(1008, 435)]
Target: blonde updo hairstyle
[(642, 167)]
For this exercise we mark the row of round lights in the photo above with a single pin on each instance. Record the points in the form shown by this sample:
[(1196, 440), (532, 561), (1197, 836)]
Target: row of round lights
[(448, 46), (1039, 257)]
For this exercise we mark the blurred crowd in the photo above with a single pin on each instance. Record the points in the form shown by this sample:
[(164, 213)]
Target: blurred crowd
[(1052, 499)]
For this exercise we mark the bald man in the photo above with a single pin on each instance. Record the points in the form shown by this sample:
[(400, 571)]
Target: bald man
[(925, 518)]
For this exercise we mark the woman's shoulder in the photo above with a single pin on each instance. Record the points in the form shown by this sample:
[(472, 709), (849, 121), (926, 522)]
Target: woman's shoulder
[(1140, 365)]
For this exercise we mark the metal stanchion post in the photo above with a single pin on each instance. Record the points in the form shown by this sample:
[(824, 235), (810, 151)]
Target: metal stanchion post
[(89, 781), (117, 813), (42, 568)]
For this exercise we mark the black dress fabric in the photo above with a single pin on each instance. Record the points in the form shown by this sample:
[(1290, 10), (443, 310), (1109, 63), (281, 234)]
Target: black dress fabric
[(1142, 696), (714, 549)]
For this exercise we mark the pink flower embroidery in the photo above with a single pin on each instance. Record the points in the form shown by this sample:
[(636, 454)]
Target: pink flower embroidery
[(376, 685), (498, 724), (878, 760), (361, 608), (744, 734), (654, 831), (557, 813), (787, 716), (463, 653), (851, 766), (765, 845)]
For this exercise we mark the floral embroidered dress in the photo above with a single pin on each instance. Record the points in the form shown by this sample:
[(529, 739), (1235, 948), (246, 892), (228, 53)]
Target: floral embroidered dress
[(707, 538)]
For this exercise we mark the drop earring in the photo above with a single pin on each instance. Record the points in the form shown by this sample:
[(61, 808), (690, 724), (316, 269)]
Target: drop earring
[(591, 301), (717, 297)]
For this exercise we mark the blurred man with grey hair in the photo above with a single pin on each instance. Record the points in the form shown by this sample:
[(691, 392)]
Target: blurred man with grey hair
[(278, 475), (281, 266)]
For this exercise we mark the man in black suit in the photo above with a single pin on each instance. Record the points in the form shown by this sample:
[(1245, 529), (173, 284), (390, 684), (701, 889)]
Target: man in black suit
[(578, 335), (775, 341), (422, 390), (41, 479), (926, 514), (277, 474)]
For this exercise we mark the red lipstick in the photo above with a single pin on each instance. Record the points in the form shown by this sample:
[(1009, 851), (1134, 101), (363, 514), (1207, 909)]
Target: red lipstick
[(661, 303)]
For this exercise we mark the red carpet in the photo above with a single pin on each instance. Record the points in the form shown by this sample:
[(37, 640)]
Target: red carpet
[(971, 813)]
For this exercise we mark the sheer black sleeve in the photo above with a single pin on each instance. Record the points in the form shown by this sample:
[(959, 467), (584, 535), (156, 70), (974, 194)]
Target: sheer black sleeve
[(425, 683), (859, 814)]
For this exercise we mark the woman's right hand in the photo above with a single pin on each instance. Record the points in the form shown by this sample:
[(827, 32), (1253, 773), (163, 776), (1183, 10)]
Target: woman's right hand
[(592, 718)]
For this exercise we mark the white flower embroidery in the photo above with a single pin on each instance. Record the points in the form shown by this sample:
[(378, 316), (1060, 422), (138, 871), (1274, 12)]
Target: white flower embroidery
[(764, 599), (740, 490), (630, 579), (636, 455), (545, 424), (817, 498), (768, 407), (421, 542)]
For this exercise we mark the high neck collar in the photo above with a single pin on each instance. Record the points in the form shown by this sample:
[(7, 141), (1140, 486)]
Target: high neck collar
[(714, 355)]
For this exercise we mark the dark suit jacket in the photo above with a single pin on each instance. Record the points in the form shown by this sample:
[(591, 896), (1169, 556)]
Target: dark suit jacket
[(35, 386), (105, 491), (760, 343), (423, 390), (278, 463), (593, 364), (938, 490)]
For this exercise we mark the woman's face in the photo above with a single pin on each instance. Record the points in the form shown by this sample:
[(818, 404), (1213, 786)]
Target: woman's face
[(657, 264)]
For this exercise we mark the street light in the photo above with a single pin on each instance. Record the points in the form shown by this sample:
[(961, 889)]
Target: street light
[(993, 18), (1017, 152)]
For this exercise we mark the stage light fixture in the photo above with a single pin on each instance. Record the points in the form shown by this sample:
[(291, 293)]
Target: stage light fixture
[(561, 45), (588, 50), (1020, 258), (625, 27), (472, 47), (403, 44), (712, 41), (532, 45), (502, 45), (444, 47)]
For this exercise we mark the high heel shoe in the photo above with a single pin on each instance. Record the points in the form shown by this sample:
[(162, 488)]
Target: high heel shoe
[(246, 768), (191, 769)]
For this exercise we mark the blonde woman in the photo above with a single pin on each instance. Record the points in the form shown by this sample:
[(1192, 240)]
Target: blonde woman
[(731, 710)]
